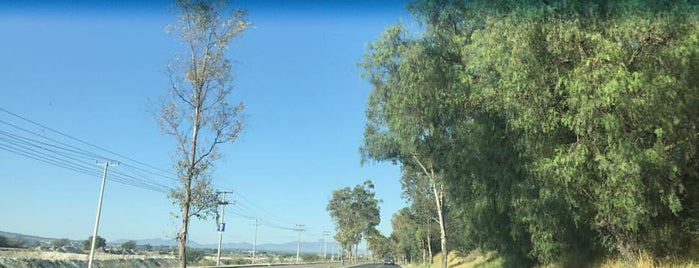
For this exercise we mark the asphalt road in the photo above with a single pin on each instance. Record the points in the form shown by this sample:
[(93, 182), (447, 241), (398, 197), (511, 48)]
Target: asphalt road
[(317, 265), (375, 265)]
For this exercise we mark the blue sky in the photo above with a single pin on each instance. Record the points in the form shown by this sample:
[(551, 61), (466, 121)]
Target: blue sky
[(95, 71)]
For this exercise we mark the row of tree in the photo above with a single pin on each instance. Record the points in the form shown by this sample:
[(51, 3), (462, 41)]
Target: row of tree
[(545, 131), (64, 242)]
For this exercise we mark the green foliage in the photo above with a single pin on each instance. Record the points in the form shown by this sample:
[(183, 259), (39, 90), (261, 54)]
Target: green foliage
[(99, 243), (355, 212), (406, 243), (561, 129), (379, 244), (131, 244), (409, 124)]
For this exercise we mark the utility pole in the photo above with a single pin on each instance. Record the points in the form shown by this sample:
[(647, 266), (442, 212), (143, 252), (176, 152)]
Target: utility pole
[(299, 228), (99, 212), (325, 244), (254, 241), (222, 224)]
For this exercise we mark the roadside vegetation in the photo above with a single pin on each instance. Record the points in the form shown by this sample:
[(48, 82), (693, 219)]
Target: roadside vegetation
[(478, 259), (544, 133)]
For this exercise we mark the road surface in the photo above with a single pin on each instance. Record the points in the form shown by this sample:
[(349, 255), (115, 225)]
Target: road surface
[(376, 265), (316, 265)]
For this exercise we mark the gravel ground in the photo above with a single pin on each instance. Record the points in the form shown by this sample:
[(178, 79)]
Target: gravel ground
[(31, 258)]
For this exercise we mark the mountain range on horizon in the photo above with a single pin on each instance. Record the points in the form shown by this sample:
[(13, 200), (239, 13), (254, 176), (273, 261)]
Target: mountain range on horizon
[(306, 247)]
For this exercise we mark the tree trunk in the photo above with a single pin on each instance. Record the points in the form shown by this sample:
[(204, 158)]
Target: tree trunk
[(424, 253), (182, 257), (439, 198), (429, 243), (188, 188), (438, 191)]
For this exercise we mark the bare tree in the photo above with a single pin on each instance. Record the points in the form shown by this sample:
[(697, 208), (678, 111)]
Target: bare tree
[(197, 111)]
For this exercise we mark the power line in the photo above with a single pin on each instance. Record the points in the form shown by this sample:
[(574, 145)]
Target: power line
[(56, 158), (264, 211), (50, 150), (61, 154), (41, 147), (85, 142)]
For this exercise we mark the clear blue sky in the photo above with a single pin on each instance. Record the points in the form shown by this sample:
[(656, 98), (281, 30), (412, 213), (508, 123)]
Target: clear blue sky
[(94, 70)]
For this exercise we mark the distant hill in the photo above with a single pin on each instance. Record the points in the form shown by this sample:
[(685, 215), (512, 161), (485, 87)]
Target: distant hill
[(290, 247), (32, 241)]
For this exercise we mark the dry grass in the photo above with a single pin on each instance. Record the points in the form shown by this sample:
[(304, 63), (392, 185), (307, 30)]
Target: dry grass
[(646, 261), (477, 259)]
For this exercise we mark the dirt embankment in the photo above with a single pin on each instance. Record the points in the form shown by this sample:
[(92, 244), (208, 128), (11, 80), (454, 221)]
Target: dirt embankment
[(35, 258)]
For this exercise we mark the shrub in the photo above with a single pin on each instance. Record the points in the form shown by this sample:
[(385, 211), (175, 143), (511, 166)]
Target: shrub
[(100, 243)]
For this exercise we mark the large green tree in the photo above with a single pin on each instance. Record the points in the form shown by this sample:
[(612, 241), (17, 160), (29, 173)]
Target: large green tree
[(402, 126), (601, 96), (197, 110), (560, 129)]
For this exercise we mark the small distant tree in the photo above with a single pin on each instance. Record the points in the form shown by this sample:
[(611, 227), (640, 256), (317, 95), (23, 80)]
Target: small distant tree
[(101, 243), (60, 242), (131, 244), (3, 241), (147, 247)]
